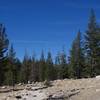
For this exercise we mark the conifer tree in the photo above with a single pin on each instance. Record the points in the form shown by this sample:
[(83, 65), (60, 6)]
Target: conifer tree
[(18, 66), (11, 68), (63, 65), (57, 66), (26, 68), (4, 42), (37, 71), (33, 68), (92, 45), (77, 58), (49, 67), (35, 75), (42, 67)]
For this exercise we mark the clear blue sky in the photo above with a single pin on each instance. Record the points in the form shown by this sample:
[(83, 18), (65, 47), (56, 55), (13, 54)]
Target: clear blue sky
[(45, 24)]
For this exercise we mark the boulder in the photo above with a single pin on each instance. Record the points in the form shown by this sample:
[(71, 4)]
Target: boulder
[(98, 77)]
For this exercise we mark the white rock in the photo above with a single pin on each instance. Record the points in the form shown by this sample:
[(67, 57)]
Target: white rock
[(97, 90), (98, 77), (3, 87), (19, 84)]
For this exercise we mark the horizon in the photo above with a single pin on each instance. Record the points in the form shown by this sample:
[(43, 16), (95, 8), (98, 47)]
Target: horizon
[(45, 25)]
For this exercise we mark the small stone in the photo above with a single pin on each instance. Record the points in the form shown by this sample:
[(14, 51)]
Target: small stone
[(34, 95), (18, 97)]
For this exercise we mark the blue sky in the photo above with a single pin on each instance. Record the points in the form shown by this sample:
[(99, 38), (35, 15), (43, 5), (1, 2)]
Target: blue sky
[(45, 24)]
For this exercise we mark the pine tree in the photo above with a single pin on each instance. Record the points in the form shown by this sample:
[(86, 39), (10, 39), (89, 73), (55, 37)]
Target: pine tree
[(35, 75), (37, 71), (77, 58), (26, 68), (33, 69), (18, 66), (4, 42), (49, 67), (11, 68), (57, 67), (71, 71), (92, 45), (42, 67), (63, 65)]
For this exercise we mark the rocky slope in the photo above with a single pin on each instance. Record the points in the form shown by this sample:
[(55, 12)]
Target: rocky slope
[(68, 89)]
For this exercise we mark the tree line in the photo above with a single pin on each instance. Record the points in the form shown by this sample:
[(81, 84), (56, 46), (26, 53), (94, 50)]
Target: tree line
[(83, 61)]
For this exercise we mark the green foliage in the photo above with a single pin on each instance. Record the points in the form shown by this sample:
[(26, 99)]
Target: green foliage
[(11, 68), (17, 71), (4, 42), (92, 45), (33, 69), (49, 67), (61, 65), (77, 58), (42, 68), (26, 69), (63, 68)]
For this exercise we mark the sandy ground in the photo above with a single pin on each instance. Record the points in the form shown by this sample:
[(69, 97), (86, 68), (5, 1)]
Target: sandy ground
[(82, 89)]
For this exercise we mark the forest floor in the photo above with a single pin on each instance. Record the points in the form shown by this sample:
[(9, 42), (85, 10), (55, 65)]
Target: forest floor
[(67, 89)]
